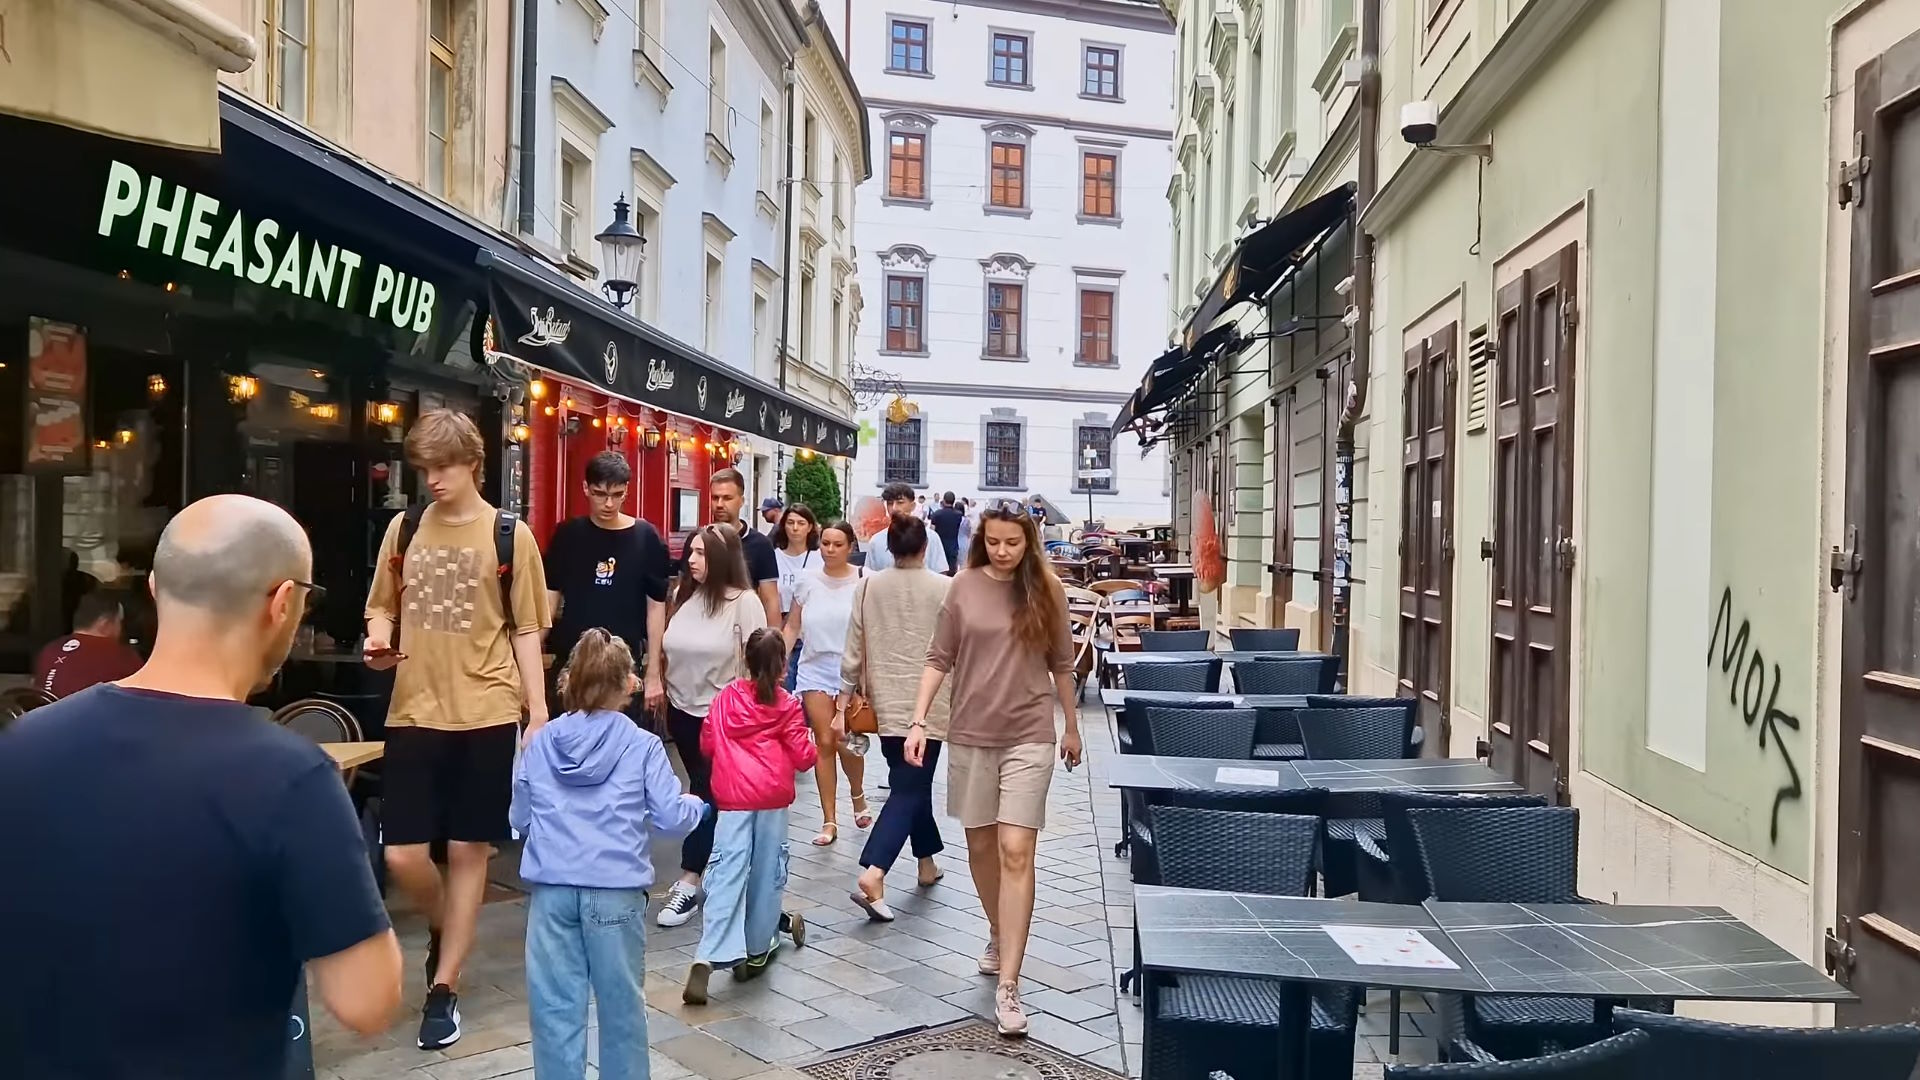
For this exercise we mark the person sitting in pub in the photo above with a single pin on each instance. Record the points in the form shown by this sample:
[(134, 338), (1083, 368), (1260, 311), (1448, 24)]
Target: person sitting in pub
[(95, 652)]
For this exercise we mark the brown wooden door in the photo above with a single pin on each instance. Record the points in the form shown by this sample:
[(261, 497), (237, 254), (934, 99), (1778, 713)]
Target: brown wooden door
[(1878, 947), (1426, 532), (1533, 551), (1280, 569)]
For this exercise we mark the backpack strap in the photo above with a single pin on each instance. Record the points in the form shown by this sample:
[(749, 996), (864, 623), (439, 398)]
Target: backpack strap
[(397, 562), (505, 522)]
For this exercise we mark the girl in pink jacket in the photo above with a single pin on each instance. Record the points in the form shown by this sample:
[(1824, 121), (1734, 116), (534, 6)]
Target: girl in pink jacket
[(756, 736)]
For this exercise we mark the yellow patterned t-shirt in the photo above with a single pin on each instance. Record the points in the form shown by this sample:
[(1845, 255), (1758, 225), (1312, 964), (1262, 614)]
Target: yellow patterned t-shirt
[(459, 672)]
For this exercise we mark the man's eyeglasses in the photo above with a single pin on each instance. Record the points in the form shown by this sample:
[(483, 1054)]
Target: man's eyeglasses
[(316, 594), (618, 495)]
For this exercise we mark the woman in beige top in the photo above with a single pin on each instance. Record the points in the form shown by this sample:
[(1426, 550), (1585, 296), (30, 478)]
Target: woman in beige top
[(894, 612), (1003, 636)]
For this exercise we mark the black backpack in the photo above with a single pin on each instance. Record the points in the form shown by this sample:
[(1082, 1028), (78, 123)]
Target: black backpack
[(504, 524)]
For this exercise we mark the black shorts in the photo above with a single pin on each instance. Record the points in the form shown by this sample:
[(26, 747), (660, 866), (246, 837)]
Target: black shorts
[(447, 785)]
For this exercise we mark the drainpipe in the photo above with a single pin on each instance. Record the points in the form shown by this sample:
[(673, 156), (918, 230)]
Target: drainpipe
[(529, 73), (786, 235), (1356, 403)]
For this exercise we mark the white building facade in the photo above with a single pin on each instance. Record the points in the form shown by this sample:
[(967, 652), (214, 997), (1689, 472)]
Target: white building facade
[(686, 108), (1017, 243)]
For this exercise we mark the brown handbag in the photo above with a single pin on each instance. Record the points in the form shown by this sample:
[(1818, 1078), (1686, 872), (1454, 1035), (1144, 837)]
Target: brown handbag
[(860, 717)]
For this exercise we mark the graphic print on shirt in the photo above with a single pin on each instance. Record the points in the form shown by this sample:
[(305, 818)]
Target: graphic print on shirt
[(603, 570), (443, 585)]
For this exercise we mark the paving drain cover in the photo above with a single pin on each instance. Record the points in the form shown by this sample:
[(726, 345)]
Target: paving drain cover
[(969, 1050)]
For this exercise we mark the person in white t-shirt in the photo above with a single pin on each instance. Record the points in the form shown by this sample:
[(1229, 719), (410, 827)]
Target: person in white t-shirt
[(795, 550), (822, 607)]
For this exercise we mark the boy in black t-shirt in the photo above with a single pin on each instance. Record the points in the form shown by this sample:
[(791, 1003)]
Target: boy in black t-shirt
[(608, 570)]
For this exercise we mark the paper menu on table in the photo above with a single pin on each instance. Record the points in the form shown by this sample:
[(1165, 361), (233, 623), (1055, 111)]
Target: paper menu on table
[(1246, 777), (1382, 946)]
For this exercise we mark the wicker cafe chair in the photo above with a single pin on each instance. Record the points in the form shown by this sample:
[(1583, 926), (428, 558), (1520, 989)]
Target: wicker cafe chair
[(1390, 870), (1519, 855), (1353, 734), (1183, 676), (1622, 1057), (1361, 701), (1704, 1050), (1262, 639), (1286, 675), (19, 701), (1277, 735), (1176, 640), (1202, 733), (1197, 1023), (1136, 737)]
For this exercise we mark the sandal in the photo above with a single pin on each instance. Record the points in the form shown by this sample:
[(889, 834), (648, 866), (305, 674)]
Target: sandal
[(828, 834), (862, 815), (930, 882)]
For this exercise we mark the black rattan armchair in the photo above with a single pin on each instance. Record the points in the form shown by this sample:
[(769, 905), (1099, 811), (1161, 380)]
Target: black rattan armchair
[(1286, 675), (1622, 1057), (1276, 737), (1360, 701), (1256, 639), (1521, 855), (1704, 1050), (1346, 734), (1185, 676), (1198, 1023), (1176, 640), (1136, 738), (1202, 733)]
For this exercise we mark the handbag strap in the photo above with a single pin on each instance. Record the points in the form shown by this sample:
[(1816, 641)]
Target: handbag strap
[(866, 635)]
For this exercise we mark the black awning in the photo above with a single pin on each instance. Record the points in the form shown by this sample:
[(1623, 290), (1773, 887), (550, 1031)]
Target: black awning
[(1263, 256), (540, 315), (1170, 376)]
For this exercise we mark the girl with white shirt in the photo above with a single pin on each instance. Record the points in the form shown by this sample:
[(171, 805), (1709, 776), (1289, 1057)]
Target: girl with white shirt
[(796, 551), (822, 607)]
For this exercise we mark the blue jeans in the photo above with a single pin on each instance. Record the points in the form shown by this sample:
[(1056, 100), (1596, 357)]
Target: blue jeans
[(793, 667), (748, 872), (580, 940)]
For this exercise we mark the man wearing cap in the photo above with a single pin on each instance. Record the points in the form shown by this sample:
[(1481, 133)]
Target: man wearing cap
[(770, 510)]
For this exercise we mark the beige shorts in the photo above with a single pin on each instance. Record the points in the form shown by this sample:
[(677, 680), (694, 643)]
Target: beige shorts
[(1005, 785)]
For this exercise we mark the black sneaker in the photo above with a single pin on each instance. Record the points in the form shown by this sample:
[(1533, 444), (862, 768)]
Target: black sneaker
[(440, 1020), (682, 901), (433, 956)]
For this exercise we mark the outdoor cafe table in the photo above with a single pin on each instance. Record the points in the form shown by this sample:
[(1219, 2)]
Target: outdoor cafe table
[(1114, 698), (1556, 950), (1147, 772)]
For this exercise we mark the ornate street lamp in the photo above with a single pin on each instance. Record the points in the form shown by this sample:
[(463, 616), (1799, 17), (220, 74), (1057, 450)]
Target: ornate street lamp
[(620, 251)]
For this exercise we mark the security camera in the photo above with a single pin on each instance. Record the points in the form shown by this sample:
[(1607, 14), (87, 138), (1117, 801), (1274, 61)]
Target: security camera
[(1419, 122)]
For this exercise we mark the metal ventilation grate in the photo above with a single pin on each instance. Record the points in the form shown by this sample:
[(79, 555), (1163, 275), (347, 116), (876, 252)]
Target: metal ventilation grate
[(1479, 367)]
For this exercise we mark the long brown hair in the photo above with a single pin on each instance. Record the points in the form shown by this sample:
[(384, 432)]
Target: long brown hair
[(1041, 608), (599, 674), (726, 568), (766, 656)]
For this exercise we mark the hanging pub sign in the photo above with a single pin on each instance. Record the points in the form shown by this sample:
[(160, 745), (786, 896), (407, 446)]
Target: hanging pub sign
[(605, 349), (56, 421), (171, 219)]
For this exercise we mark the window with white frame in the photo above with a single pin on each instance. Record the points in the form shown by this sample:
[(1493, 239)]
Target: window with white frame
[(650, 185), (711, 302), (440, 67), (762, 334), (769, 150), (574, 196), (717, 87), (807, 351), (287, 33)]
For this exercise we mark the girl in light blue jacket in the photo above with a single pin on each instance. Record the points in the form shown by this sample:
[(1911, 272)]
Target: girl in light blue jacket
[(590, 794)]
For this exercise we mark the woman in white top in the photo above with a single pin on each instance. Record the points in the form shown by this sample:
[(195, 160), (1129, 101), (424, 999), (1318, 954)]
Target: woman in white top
[(796, 551), (822, 606), (717, 611)]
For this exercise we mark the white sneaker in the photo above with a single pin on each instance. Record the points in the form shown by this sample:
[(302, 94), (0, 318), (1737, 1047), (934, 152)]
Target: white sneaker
[(682, 901)]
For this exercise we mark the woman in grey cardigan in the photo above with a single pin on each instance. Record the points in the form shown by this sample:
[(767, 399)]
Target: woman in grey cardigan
[(894, 613)]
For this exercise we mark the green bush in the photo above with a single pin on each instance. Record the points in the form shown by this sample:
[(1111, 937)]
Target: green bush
[(811, 481)]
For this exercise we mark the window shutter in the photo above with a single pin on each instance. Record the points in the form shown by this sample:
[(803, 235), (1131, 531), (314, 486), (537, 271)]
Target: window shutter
[(1479, 363)]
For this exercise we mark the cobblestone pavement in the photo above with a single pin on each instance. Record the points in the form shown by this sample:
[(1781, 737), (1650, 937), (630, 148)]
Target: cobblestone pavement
[(856, 980)]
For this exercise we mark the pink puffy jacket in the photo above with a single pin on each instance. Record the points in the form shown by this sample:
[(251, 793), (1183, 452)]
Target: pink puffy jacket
[(755, 749)]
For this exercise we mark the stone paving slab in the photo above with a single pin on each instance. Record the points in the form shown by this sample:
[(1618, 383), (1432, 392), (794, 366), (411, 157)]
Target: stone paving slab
[(856, 981)]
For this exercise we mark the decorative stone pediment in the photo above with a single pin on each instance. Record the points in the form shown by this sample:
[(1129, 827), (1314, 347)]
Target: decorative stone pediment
[(905, 257), (1006, 265)]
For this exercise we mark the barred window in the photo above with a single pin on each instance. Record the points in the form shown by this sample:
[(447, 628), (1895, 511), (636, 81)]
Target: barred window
[(1003, 454), (1099, 440), (903, 464)]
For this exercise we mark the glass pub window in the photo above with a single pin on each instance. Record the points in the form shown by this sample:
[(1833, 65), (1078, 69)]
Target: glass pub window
[(1003, 454), (903, 465), (1003, 321), (909, 40), (1102, 72), (1010, 59), (903, 315)]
